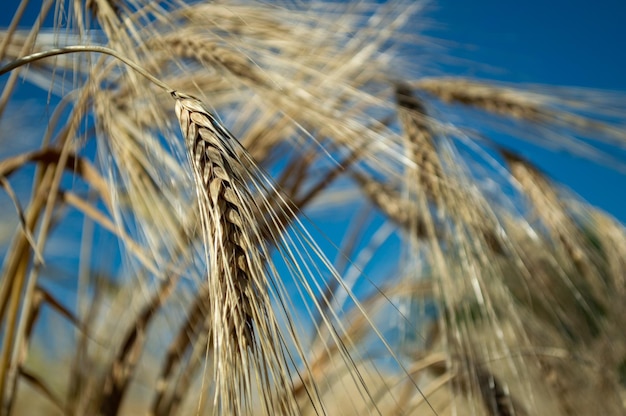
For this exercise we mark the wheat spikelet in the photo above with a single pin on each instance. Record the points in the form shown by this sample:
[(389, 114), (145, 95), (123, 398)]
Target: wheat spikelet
[(535, 106), (553, 213), (209, 52), (488, 97), (558, 119), (548, 206), (396, 208), (440, 187), (414, 120)]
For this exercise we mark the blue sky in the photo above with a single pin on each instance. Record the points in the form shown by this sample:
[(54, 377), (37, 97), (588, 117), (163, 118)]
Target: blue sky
[(556, 41), (573, 43)]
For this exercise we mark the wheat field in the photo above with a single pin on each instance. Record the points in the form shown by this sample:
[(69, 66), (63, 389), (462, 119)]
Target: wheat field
[(263, 208)]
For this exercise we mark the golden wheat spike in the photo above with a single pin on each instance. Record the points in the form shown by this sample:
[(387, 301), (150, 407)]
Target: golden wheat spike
[(242, 322), (414, 120), (499, 100)]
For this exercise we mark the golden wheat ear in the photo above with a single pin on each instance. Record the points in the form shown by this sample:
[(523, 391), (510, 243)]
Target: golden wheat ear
[(247, 350)]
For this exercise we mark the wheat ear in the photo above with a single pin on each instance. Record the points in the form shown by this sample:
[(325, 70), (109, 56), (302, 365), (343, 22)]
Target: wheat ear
[(245, 339), (440, 187)]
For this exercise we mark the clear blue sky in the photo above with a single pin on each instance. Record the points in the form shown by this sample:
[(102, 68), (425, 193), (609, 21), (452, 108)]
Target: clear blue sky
[(574, 43)]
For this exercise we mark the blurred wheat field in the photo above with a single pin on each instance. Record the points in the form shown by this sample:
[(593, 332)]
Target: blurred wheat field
[(238, 207)]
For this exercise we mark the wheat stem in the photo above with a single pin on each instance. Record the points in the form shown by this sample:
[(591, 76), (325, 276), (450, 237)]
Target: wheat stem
[(84, 48)]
